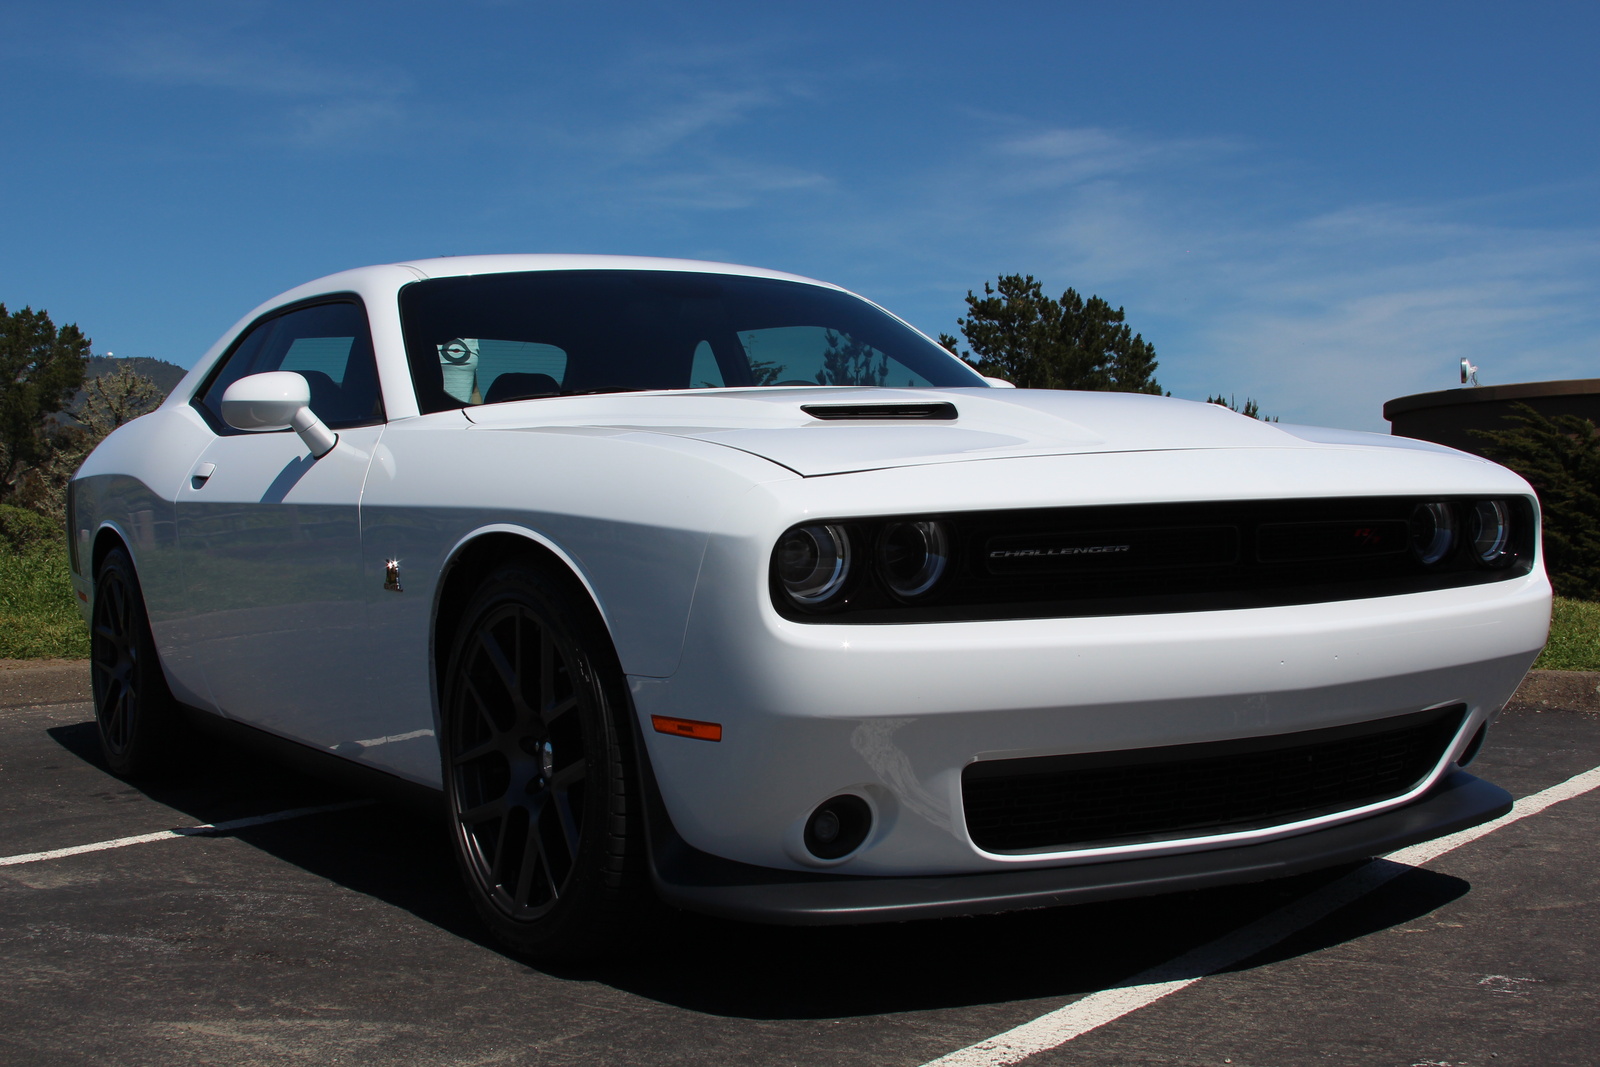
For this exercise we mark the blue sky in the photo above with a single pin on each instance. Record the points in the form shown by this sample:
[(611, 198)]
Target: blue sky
[(1320, 206)]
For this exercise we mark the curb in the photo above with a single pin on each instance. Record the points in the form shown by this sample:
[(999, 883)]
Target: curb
[(31, 683), (1568, 690)]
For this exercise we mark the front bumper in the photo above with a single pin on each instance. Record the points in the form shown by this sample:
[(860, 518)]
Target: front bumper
[(688, 878), (895, 712)]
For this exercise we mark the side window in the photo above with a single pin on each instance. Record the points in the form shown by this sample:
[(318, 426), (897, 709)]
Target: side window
[(328, 344)]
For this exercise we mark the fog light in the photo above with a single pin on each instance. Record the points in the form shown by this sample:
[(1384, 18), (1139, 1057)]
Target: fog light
[(838, 826)]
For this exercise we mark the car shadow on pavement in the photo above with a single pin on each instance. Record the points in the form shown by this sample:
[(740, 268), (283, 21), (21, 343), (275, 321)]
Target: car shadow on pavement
[(401, 856), (748, 971)]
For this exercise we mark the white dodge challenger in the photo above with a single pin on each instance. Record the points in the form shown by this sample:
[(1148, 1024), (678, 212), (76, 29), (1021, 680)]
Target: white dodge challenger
[(728, 585)]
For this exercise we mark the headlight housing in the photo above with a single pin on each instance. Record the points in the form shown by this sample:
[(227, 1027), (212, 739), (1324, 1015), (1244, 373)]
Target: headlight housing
[(1433, 532), (813, 564), (1490, 528), (912, 557)]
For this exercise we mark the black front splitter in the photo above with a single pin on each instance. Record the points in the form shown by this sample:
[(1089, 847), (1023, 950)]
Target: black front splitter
[(688, 878)]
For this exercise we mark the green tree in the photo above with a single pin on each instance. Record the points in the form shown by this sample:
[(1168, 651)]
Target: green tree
[(1251, 409), (108, 400), (1560, 458), (1017, 333), (41, 368)]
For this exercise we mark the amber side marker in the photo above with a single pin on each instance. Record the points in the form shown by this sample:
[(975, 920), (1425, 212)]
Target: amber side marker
[(702, 731)]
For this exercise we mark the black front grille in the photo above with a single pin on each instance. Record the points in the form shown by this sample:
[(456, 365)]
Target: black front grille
[(1146, 559), (1050, 803)]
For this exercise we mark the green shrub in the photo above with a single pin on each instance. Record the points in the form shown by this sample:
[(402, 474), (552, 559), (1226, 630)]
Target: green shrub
[(38, 612), (23, 530), (1560, 458)]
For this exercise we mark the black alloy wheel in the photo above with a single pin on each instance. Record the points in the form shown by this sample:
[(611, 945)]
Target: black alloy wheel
[(535, 767), (137, 717)]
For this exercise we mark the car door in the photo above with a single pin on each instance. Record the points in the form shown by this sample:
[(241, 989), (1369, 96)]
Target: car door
[(269, 537)]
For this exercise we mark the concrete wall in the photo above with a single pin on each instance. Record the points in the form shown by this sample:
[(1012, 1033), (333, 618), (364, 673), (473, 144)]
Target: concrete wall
[(1446, 416)]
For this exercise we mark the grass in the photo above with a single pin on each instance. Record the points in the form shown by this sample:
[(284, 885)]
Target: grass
[(38, 614), (1574, 643), (38, 618)]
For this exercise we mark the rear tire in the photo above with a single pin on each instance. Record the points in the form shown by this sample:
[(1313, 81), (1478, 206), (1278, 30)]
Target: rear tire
[(537, 768), (140, 724)]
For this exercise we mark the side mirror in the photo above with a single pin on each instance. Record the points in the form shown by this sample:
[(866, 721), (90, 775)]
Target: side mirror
[(277, 400), (998, 383)]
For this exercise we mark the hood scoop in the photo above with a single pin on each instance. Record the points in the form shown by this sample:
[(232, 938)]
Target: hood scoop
[(941, 411)]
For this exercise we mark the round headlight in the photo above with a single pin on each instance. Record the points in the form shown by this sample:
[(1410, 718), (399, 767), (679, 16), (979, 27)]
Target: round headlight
[(913, 556), (1433, 532), (813, 563), (1491, 530)]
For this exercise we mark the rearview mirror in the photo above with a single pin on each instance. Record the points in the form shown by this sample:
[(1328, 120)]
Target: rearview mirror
[(277, 400)]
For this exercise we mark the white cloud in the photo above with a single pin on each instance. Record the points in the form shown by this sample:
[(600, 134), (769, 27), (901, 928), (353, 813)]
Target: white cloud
[(316, 98), (1245, 283)]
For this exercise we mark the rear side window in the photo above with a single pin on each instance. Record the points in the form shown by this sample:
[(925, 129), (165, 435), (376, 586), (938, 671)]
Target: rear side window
[(328, 344)]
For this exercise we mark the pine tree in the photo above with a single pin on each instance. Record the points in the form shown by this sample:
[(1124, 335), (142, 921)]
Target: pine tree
[(41, 368), (1017, 333)]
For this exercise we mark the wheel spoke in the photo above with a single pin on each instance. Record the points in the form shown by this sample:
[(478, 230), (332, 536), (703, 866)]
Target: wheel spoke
[(567, 776), (496, 868), (570, 830), (547, 671), (518, 667), (484, 713), (489, 809), (533, 859), (117, 726), (497, 659), (478, 751), (555, 709)]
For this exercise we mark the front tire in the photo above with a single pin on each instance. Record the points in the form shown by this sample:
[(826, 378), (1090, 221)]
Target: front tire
[(138, 719), (536, 764)]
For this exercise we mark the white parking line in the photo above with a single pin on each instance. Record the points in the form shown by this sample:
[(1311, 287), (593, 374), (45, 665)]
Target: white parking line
[(204, 830), (1095, 1010)]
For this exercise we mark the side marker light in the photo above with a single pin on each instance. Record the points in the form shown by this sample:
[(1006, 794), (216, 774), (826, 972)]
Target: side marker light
[(700, 731)]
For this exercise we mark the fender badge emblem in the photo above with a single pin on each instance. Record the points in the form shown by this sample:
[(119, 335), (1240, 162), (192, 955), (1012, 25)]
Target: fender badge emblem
[(391, 576)]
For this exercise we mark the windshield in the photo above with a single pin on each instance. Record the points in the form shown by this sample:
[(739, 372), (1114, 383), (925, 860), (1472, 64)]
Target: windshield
[(490, 338)]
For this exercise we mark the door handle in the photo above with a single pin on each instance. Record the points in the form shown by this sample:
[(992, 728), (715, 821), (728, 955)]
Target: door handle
[(201, 475)]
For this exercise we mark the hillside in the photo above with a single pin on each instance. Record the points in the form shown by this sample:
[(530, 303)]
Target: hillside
[(165, 375)]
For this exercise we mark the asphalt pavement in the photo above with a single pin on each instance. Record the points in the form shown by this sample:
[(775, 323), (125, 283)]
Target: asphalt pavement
[(341, 936)]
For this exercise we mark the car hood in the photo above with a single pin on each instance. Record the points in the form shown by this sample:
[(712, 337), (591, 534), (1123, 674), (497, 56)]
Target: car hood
[(988, 424)]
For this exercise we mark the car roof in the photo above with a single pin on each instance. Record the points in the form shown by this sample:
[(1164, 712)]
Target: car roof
[(390, 275), (457, 266)]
